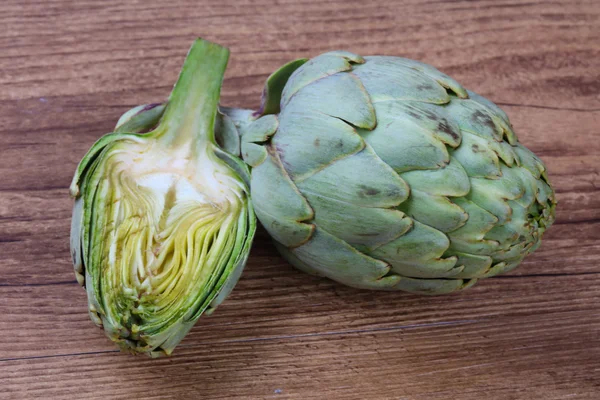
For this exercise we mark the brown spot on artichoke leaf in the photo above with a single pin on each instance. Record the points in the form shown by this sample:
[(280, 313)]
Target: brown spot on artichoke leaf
[(149, 107), (431, 115), (394, 192), (483, 119), (278, 149), (424, 86), (443, 127), (368, 191), (150, 129), (263, 103), (415, 115), (476, 149)]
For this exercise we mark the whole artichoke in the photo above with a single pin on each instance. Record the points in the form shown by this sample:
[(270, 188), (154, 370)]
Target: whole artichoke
[(384, 173), (163, 222)]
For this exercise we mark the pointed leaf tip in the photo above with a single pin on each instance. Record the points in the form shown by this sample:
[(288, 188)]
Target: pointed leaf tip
[(271, 97)]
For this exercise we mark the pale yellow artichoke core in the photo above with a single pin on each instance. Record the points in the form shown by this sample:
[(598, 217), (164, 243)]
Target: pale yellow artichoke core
[(170, 224)]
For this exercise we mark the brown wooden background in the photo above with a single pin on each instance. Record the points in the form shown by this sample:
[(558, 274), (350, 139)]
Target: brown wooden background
[(68, 69)]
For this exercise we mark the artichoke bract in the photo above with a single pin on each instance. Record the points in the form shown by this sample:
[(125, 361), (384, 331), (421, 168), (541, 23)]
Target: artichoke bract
[(163, 223), (384, 173)]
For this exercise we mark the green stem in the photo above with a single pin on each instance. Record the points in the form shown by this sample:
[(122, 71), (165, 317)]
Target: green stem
[(190, 114)]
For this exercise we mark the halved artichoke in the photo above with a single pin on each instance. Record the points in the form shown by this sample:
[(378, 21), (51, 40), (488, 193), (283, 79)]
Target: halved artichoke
[(163, 223)]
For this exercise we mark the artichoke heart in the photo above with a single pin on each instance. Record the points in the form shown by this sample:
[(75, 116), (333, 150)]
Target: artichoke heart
[(162, 223)]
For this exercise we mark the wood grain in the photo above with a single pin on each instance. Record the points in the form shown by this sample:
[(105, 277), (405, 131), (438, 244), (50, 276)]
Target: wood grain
[(69, 69)]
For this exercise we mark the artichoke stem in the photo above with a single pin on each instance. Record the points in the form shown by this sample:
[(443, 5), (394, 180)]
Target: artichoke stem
[(191, 110)]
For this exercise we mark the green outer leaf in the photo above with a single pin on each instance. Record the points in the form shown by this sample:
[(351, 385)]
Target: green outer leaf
[(241, 118), (376, 226), (227, 135), (477, 156), (90, 157), (318, 68), (239, 265), (436, 181), (385, 78), (75, 241), (418, 253), (309, 142), (338, 259), (443, 79), (436, 211), (141, 118), (324, 96), (253, 154), (474, 266), (286, 215), (234, 270), (434, 286), (419, 150), (361, 179), (274, 86), (261, 129), (236, 165)]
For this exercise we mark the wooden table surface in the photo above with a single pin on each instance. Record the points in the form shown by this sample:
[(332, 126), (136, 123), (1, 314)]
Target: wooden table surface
[(68, 69)]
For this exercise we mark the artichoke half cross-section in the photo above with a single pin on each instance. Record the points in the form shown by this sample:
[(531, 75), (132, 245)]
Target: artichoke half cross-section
[(390, 175), (163, 223)]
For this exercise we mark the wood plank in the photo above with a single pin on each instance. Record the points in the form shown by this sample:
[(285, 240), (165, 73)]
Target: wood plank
[(278, 301), (499, 356), (521, 52)]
